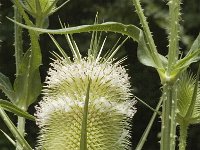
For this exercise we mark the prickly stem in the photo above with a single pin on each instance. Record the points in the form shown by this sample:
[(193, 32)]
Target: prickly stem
[(168, 131)]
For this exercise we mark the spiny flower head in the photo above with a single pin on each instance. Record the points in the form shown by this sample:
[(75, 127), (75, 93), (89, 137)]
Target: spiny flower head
[(41, 8), (108, 80), (60, 113), (107, 125), (188, 105)]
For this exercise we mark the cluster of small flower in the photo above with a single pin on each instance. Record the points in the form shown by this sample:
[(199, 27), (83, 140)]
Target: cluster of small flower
[(60, 113)]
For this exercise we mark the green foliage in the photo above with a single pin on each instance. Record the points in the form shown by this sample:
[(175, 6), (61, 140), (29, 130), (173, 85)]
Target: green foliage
[(191, 57), (23, 143), (29, 76), (27, 85), (14, 109), (188, 99), (6, 87), (188, 95)]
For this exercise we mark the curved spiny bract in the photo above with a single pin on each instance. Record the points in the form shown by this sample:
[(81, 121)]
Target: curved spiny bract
[(185, 93)]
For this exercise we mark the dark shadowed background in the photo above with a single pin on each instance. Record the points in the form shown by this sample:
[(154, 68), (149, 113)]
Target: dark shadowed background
[(145, 81)]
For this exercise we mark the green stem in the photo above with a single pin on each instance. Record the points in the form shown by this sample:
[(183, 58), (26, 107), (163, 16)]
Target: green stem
[(173, 118), (147, 32), (18, 58), (20, 139), (18, 40), (152, 109), (168, 131), (21, 130), (21, 125), (183, 136), (174, 14), (39, 21), (148, 128)]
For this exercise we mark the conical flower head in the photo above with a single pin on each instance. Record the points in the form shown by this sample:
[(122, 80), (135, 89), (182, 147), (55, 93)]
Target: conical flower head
[(108, 80), (188, 109), (107, 125), (61, 111), (60, 114), (34, 6)]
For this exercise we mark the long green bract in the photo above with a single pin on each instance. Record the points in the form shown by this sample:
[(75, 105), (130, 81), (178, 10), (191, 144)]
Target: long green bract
[(129, 30), (16, 110), (144, 53), (83, 140), (23, 143)]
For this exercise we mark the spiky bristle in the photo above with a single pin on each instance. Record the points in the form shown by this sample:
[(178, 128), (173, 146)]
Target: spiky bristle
[(60, 113)]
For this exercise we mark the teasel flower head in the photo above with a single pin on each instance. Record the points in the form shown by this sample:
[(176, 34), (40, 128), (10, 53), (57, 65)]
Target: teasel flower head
[(60, 114), (41, 9), (188, 95)]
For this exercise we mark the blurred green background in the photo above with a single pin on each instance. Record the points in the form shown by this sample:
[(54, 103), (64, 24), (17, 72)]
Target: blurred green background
[(145, 81)]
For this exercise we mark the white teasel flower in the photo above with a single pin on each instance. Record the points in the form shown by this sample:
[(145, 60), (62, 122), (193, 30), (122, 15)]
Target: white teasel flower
[(110, 109), (108, 80)]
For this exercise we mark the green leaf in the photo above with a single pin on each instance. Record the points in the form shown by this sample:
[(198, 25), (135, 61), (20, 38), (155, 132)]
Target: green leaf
[(23, 143), (195, 46), (27, 84), (148, 106), (14, 109), (144, 54), (9, 138), (192, 56), (146, 57), (6, 87), (148, 128), (129, 30)]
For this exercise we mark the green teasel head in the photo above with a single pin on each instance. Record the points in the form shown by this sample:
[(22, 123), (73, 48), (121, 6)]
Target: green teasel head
[(188, 99), (110, 109), (41, 9)]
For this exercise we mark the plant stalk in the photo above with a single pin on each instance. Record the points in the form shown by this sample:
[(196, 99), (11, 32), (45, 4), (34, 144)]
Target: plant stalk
[(18, 40), (39, 22), (147, 32), (20, 127), (21, 130), (168, 131), (183, 136), (174, 14), (22, 143), (18, 58), (148, 128)]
